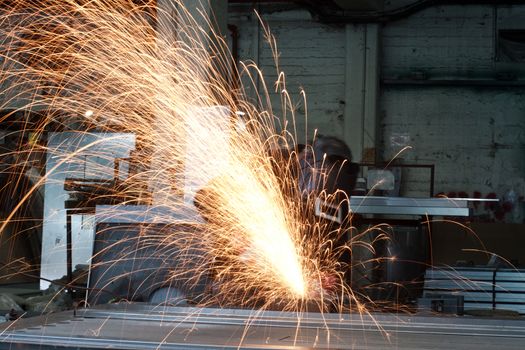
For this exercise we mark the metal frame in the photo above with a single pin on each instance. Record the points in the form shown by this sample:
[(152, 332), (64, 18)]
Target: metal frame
[(409, 206), (431, 167)]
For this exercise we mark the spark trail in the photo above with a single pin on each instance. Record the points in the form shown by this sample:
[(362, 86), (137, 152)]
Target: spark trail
[(115, 66)]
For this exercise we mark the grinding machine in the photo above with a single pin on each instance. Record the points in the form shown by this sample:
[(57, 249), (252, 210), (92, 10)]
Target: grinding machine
[(128, 303)]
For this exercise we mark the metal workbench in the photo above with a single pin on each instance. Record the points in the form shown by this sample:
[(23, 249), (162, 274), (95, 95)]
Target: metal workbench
[(140, 326), (410, 206), (358, 204)]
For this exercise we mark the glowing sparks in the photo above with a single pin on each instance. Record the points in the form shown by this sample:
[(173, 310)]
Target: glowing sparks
[(271, 244), (165, 83)]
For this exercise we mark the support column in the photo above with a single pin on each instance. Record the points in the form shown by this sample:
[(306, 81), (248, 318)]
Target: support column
[(360, 127), (362, 90)]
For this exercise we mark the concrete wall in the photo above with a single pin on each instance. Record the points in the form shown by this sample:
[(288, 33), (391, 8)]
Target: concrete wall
[(474, 135), (441, 41)]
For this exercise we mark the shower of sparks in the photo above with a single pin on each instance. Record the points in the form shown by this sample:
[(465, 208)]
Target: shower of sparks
[(163, 76)]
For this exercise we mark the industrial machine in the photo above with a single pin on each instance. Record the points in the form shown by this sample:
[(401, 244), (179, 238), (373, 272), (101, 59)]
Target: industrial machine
[(117, 233), (133, 303)]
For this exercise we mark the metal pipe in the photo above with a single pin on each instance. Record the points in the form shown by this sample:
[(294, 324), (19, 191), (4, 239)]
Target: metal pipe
[(328, 15), (69, 251), (455, 82)]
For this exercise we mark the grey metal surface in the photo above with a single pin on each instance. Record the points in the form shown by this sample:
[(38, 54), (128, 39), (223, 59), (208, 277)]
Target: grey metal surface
[(135, 326), (413, 206), (143, 214), (409, 206), (131, 257), (130, 262), (358, 204)]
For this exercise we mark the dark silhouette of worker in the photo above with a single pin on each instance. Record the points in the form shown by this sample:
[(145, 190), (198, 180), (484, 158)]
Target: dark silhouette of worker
[(326, 166), (326, 178)]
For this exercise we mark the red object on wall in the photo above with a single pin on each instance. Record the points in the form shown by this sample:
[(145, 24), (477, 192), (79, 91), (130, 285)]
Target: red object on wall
[(490, 205)]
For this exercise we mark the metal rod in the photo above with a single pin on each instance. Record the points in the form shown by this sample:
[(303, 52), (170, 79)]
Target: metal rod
[(69, 250)]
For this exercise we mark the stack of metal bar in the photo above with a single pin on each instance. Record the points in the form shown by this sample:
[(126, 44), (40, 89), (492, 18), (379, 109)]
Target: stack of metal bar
[(142, 326), (482, 288)]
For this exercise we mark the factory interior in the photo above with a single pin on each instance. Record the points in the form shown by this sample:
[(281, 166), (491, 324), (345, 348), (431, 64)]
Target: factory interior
[(262, 174)]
